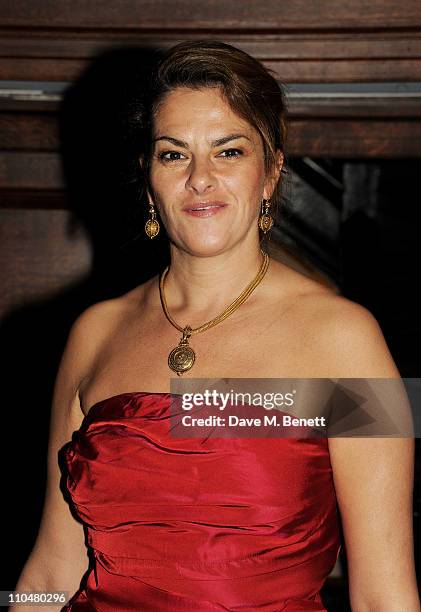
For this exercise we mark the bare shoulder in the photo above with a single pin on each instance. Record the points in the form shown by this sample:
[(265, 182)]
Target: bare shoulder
[(342, 338), (348, 337), (102, 317), (298, 295), (95, 325)]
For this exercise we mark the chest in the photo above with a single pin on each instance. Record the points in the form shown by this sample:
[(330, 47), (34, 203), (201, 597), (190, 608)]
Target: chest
[(253, 345)]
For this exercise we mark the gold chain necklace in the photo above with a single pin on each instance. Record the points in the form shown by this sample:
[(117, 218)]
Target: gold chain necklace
[(182, 357)]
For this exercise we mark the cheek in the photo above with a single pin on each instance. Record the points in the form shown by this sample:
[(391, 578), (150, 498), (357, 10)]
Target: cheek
[(248, 181), (155, 178), (166, 179), (164, 186)]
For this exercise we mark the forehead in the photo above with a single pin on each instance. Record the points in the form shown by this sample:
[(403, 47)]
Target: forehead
[(198, 109)]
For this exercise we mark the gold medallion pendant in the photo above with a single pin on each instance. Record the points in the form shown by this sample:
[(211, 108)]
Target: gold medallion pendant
[(182, 356)]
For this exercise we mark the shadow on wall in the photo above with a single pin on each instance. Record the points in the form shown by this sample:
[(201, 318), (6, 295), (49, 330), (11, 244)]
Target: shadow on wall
[(105, 198)]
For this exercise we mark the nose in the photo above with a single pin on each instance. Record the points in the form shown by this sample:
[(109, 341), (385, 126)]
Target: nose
[(201, 178)]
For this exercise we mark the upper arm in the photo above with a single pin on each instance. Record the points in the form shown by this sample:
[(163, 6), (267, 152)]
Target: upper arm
[(373, 477), (59, 556)]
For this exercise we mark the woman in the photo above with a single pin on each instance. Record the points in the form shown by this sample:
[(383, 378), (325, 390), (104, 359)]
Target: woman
[(199, 525)]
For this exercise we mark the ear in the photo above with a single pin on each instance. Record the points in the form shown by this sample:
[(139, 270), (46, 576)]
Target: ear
[(273, 178), (150, 199)]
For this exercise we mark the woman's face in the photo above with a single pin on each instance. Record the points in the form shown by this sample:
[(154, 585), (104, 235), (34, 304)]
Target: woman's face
[(203, 154)]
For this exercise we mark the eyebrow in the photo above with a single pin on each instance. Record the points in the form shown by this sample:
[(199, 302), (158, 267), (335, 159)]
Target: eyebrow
[(216, 143)]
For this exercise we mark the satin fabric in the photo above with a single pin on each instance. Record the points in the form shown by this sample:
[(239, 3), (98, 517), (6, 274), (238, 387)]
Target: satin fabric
[(198, 524)]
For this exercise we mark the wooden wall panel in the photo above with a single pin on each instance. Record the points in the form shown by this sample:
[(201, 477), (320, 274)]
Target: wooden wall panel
[(356, 139), (302, 57), (30, 170), (40, 256), (303, 40), (29, 131), (42, 69), (202, 14)]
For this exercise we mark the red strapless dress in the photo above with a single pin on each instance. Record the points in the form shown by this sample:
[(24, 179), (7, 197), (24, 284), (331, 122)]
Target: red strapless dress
[(200, 524)]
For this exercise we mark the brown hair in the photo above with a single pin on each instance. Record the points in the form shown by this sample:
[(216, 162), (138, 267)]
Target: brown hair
[(248, 87)]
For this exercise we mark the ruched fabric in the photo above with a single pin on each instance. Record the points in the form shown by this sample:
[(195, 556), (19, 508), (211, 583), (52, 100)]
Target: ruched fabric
[(199, 524)]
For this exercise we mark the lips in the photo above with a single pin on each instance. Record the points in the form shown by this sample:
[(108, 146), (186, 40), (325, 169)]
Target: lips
[(204, 210), (205, 206)]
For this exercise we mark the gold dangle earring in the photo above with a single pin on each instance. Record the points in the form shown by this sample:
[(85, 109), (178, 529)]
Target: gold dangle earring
[(265, 219), (152, 225)]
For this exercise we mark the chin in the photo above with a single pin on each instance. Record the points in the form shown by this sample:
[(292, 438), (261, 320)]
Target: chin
[(206, 249)]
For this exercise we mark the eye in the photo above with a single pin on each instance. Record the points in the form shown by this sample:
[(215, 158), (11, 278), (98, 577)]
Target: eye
[(232, 153), (167, 156)]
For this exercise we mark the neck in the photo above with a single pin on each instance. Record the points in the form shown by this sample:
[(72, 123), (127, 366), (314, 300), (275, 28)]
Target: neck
[(200, 288)]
